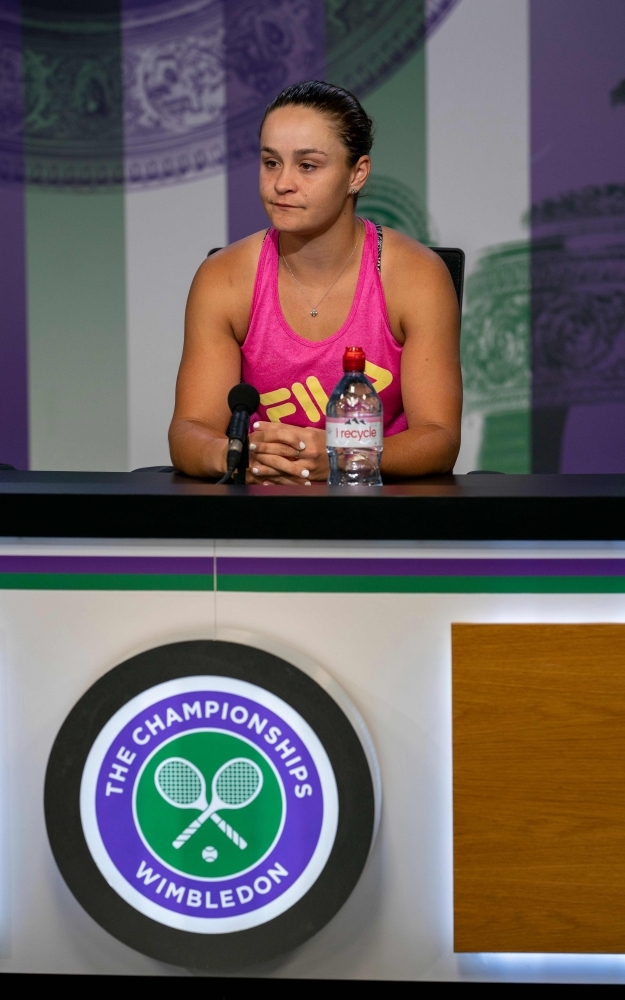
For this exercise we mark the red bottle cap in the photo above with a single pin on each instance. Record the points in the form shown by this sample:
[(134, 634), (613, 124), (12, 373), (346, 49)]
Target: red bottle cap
[(354, 359)]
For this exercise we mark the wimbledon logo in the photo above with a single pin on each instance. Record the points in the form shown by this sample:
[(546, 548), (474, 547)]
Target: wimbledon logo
[(209, 804)]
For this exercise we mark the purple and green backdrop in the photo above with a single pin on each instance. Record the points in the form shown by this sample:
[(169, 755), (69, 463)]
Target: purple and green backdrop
[(128, 148)]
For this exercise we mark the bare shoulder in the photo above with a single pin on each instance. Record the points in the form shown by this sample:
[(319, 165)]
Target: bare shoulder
[(222, 290), (404, 258), (417, 286), (232, 267)]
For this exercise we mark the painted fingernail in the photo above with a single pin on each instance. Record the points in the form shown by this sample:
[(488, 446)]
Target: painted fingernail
[(255, 471), (302, 445), (305, 473), (266, 483), (253, 446), (308, 483), (256, 424)]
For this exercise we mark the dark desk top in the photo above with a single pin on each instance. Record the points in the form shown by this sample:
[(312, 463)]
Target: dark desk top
[(167, 505)]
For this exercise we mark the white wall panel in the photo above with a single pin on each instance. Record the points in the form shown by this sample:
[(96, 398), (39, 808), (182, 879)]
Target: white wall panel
[(168, 233), (478, 125), (478, 140)]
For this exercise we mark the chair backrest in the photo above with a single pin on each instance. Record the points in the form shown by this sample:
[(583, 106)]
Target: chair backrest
[(453, 257)]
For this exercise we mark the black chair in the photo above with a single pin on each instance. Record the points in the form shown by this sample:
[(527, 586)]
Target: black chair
[(451, 256), (156, 468)]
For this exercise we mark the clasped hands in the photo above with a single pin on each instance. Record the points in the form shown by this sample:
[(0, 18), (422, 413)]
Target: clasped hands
[(283, 454)]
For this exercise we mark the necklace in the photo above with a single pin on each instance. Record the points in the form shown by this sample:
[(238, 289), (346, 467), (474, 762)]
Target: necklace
[(314, 309)]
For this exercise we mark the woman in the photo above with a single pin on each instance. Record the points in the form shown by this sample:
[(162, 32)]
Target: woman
[(278, 308)]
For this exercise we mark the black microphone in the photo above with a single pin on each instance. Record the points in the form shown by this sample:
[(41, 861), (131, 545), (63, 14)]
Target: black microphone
[(243, 400)]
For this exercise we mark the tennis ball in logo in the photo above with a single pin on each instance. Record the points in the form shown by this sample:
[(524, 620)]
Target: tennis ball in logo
[(209, 791)]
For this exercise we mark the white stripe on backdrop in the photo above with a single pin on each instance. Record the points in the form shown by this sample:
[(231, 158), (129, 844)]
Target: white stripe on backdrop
[(169, 231), (478, 138)]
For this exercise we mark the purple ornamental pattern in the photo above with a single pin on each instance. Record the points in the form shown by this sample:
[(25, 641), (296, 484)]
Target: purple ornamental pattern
[(578, 235), (13, 335)]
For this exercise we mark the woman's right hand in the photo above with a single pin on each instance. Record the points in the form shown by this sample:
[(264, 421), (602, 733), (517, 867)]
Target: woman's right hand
[(283, 454)]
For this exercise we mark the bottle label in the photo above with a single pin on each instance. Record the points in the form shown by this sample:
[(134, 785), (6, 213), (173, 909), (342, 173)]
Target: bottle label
[(354, 432)]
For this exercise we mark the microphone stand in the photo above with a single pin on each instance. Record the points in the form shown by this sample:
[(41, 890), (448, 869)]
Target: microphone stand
[(243, 400), (239, 472), (237, 475)]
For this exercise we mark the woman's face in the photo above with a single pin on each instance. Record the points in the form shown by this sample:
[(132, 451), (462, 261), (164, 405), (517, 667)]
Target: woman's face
[(305, 179)]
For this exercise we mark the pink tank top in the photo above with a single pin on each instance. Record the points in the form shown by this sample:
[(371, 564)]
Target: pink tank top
[(295, 376)]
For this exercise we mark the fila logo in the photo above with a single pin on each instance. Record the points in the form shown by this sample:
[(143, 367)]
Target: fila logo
[(312, 397)]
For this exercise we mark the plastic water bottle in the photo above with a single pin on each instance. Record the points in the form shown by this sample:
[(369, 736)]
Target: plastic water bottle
[(354, 426)]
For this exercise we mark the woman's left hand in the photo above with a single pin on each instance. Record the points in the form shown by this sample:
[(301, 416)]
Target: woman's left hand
[(281, 453)]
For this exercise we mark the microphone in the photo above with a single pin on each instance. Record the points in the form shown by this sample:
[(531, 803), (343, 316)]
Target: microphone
[(243, 400)]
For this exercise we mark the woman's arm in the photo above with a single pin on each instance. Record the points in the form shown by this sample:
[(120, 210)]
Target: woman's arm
[(217, 311), (422, 303), (216, 322)]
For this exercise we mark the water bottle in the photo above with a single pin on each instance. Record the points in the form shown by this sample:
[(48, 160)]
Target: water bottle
[(354, 426)]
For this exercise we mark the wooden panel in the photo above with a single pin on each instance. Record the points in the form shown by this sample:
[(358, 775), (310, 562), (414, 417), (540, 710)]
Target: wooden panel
[(539, 788)]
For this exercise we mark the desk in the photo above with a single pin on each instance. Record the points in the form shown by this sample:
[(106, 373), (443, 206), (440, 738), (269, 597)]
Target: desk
[(166, 505), (95, 568)]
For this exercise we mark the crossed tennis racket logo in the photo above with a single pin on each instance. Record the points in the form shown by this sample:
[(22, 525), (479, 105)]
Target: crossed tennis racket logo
[(235, 784)]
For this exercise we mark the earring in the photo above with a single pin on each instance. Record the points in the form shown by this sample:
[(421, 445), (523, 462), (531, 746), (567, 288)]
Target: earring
[(352, 191)]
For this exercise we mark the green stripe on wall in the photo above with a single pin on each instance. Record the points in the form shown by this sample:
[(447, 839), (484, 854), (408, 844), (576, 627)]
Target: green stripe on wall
[(75, 238), (77, 330), (318, 584), (506, 440), (104, 581), (396, 193), (424, 584)]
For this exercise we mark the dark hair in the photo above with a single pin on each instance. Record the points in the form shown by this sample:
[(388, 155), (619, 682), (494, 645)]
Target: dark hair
[(353, 125)]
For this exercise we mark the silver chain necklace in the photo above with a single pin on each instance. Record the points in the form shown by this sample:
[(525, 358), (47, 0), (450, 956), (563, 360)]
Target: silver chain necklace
[(313, 309)]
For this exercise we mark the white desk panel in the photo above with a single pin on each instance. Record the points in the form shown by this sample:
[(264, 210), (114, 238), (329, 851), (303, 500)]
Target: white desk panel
[(389, 651)]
